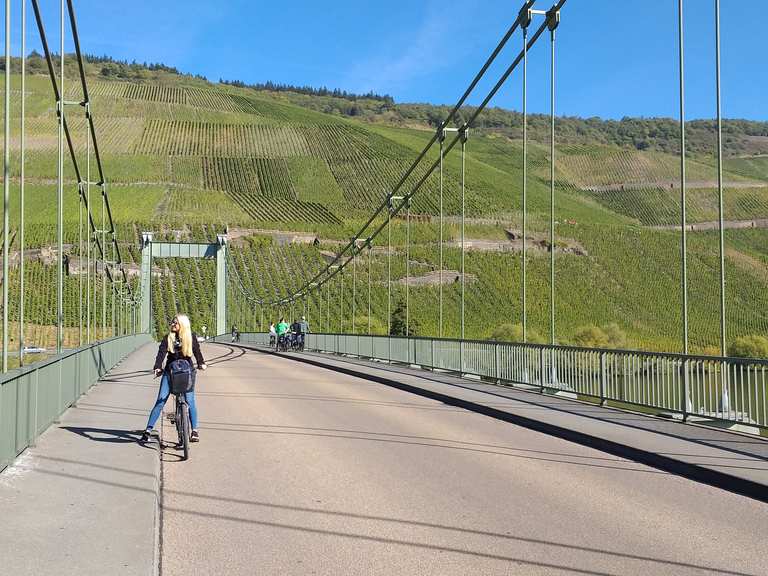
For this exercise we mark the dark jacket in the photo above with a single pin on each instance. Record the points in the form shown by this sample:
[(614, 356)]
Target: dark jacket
[(169, 355)]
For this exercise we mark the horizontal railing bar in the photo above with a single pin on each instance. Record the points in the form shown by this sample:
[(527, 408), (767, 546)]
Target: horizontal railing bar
[(565, 347)]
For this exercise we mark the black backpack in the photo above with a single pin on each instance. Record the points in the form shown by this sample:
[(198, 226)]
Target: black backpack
[(181, 376)]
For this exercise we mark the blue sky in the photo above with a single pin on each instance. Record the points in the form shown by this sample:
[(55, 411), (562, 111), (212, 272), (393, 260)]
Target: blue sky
[(615, 57)]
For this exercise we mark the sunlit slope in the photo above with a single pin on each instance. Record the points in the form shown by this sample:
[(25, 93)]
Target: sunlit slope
[(185, 158)]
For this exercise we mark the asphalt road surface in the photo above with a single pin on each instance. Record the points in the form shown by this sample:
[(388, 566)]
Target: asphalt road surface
[(301, 470)]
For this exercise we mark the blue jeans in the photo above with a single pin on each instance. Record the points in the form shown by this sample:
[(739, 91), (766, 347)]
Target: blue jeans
[(162, 396)]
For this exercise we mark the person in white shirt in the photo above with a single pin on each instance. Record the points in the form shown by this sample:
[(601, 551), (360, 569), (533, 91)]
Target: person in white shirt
[(272, 334)]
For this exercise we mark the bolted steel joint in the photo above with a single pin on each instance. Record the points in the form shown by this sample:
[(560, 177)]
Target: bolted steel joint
[(553, 18), (525, 16), (441, 132)]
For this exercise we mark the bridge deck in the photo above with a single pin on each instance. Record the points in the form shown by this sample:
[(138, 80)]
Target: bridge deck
[(86, 496), (307, 471), (736, 457)]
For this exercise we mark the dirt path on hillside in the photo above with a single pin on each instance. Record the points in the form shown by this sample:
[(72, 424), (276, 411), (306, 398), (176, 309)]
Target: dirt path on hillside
[(714, 225), (671, 185)]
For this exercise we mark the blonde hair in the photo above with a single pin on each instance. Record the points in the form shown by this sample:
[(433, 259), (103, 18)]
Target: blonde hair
[(185, 336)]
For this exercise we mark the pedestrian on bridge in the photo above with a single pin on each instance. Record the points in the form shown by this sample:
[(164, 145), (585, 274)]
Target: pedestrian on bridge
[(180, 344), (272, 334), (302, 329)]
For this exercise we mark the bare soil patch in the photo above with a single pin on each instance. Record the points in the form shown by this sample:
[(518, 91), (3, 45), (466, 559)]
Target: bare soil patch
[(433, 278)]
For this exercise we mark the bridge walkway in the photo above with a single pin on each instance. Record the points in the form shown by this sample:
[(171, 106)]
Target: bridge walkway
[(736, 461), (86, 496), (304, 470)]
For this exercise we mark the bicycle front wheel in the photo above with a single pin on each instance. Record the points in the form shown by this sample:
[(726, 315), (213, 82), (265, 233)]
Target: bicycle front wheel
[(178, 418), (185, 430)]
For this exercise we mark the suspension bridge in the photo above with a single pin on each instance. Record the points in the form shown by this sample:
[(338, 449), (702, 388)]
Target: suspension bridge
[(380, 448)]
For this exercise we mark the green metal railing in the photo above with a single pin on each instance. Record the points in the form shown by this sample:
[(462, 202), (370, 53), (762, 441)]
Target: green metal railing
[(31, 398), (717, 388)]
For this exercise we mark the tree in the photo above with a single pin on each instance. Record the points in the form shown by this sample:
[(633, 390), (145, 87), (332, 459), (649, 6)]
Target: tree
[(399, 326)]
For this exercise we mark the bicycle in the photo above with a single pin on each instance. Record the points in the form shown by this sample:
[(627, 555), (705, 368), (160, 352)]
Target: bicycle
[(180, 418), (282, 343), (181, 383)]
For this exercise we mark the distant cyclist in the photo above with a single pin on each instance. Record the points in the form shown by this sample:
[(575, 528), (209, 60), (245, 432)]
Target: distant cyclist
[(180, 344), (302, 329), (235, 334), (282, 332)]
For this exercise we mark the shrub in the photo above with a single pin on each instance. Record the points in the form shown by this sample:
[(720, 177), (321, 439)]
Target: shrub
[(617, 338), (752, 346), (710, 350), (609, 336), (591, 337), (507, 333)]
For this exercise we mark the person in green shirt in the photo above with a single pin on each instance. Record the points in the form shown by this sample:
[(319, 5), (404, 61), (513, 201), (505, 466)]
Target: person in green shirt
[(282, 335), (282, 327)]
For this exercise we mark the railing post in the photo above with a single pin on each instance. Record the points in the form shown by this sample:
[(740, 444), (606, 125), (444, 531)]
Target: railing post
[(432, 359), (497, 362), (541, 369), (602, 379), (686, 390)]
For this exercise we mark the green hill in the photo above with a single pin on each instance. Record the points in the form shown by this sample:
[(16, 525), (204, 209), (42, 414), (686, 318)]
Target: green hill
[(186, 158)]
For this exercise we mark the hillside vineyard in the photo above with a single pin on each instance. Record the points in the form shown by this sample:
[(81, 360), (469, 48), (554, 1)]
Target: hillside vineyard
[(187, 159)]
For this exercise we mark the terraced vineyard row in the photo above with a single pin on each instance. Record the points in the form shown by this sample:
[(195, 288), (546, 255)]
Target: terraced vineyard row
[(283, 210), (258, 176), (260, 107), (185, 286), (202, 139), (186, 170), (40, 307), (267, 272), (661, 207), (345, 142), (330, 141), (212, 99), (598, 289), (603, 166), (367, 182), (190, 96)]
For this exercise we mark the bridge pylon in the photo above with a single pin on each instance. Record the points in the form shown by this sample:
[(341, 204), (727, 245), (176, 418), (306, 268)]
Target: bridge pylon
[(151, 250)]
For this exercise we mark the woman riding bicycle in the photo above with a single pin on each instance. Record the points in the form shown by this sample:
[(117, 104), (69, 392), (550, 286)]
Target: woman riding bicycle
[(180, 344)]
